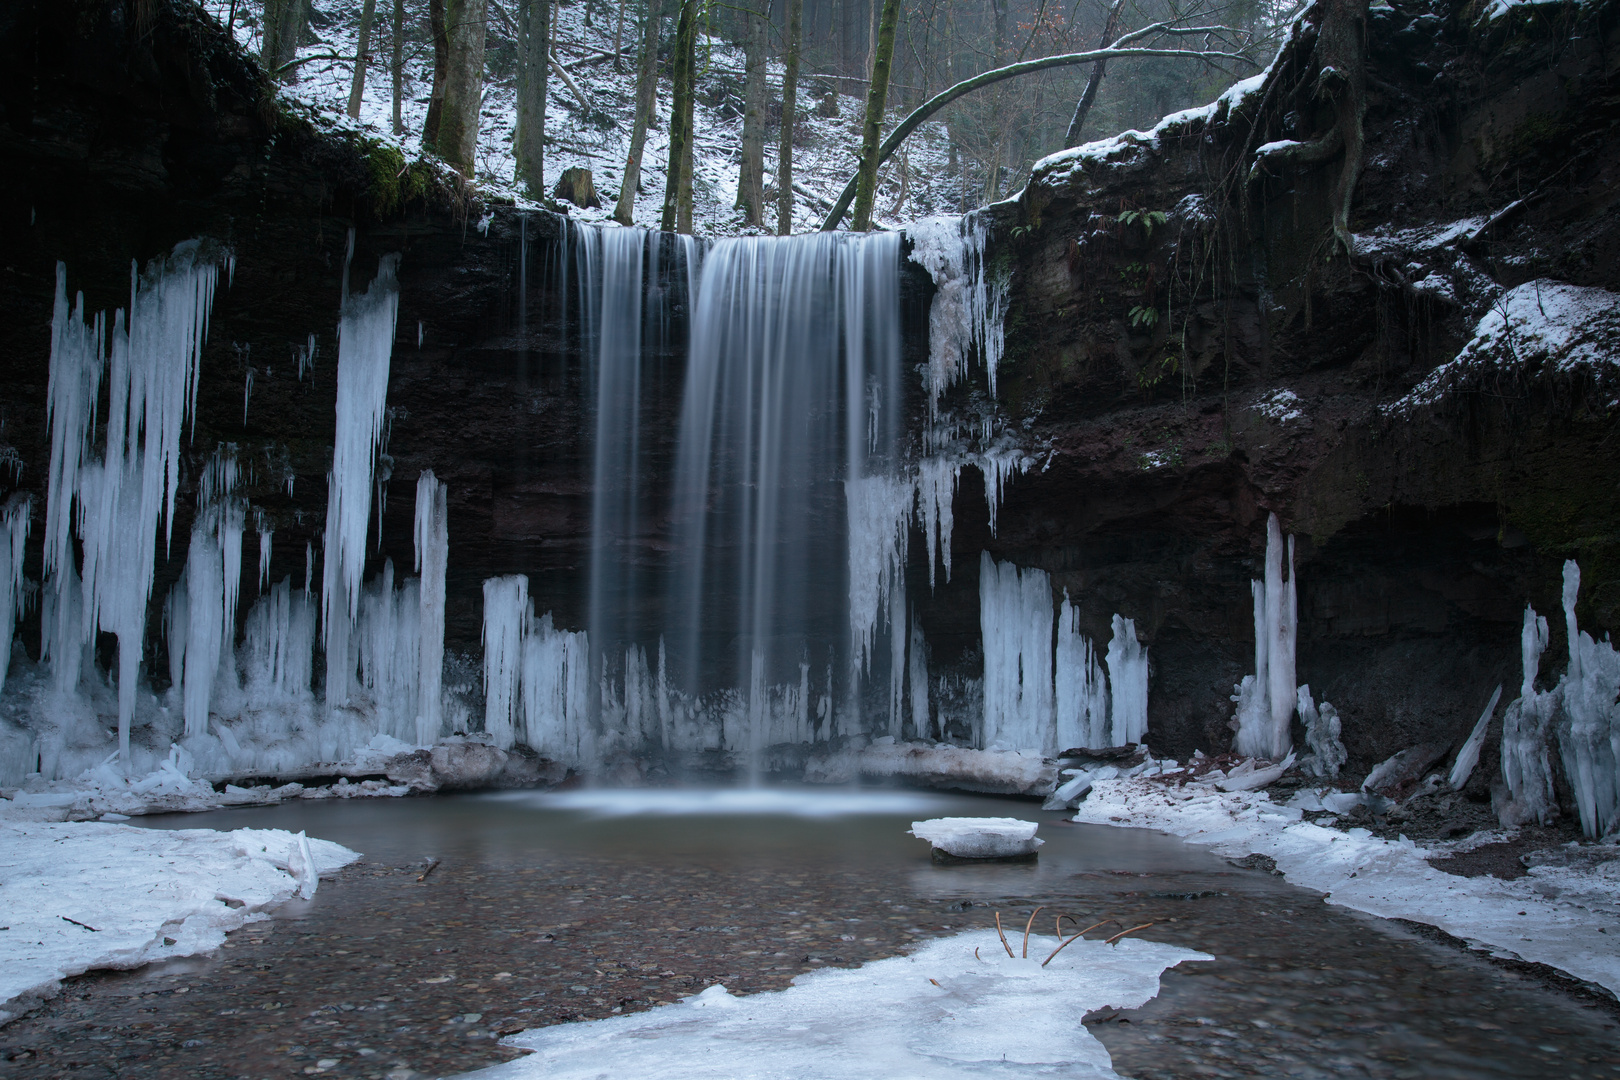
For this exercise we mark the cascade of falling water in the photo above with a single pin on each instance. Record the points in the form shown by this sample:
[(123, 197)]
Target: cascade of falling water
[(792, 404)]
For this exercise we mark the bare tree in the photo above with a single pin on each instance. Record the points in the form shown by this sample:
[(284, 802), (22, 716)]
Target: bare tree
[(534, 34), (624, 212), (465, 23), (751, 176), (362, 55), (866, 177), (1110, 28), (790, 108), (283, 26), (396, 64), (678, 187), (441, 70)]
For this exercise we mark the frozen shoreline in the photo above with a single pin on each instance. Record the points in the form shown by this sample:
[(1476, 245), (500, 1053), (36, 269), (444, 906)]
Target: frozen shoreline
[(1566, 917), (81, 896)]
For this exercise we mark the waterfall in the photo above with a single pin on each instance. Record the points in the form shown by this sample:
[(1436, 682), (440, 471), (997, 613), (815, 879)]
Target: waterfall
[(789, 511)]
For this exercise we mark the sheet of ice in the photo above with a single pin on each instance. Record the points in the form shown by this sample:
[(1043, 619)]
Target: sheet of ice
[(956, 1007), (86, 895), (725, 802), (506, 614), (1015, 619), (1388, 878), (979, 837), (432, 540), (879, 511), (1468, 756), (1128, 680)]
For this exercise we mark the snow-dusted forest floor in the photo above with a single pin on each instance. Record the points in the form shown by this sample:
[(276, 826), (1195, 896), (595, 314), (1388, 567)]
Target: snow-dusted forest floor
[(595, 133)]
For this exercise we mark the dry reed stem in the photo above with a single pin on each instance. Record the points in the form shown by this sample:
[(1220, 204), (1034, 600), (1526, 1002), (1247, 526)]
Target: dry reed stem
[(1122, 933), (1071, 940), (1004, 944), (1029, 924)]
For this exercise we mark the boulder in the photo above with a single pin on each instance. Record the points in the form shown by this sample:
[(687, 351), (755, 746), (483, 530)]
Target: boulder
[(466, 763)]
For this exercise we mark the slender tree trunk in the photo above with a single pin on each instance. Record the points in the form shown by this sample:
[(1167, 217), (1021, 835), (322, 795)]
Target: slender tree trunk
[(362, 56), (618, 37), (465, 22), (396, 64), (441, 72), (534, 36), (680, 121), (866, 182), (790, 108), (751, 176), (1110, 29), (646, 102), (283, 27)]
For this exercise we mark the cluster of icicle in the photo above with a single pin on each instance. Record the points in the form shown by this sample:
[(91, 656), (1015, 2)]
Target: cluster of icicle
[(1041, 695), (1580, 713), (1268, 699), (970, 301)]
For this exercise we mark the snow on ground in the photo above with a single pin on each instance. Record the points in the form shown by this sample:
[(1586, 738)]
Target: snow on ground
[(85, 895), (598, 138), (1543, 326), (1565, 916), (956, 1007)]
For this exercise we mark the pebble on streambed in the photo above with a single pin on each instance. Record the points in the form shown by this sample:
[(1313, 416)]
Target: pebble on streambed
[(979, 839)]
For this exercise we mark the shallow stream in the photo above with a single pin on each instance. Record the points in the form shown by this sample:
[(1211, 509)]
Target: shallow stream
[(549, 908)]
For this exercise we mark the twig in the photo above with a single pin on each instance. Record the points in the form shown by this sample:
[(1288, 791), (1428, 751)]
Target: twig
[(1070, 941), (433, 864), (1004, 944), (76, 922), (1027, 925), (1122, 933)]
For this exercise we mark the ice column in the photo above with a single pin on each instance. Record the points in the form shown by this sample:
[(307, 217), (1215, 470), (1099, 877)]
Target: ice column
[(365, 347), (13, 537), (432, 559), (917, 673), (278, 646), (1526, 725), (1128, 673), (556, 693), (1081, 690), (205, 626), (506, 615), (1266, 699), (1589, 723), (389, 637), (1015, 618)]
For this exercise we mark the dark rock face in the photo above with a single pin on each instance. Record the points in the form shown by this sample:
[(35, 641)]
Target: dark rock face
[(1162, 445)]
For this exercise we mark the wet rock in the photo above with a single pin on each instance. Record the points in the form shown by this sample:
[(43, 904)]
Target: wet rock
[(1398, 776), (466, 763), (525, 768), (415, 770)]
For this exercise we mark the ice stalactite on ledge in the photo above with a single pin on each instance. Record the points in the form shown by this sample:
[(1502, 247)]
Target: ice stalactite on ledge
[(1081, 691), (432, 541), (1581, 711), (365, 348), (506, 614), (1128, 676), (13, 536), (1266, 699), (968, 312), (147, 365)]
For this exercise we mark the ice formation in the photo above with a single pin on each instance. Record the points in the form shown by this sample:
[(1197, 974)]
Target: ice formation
[(979, 837), (1582, 711), (556, 688), (970, 300), (879, 508), (1266, 699), (13, 535), (1322, 729), (432, 542), (1081, 691), (1128, 677), (1468, 756), (147, 366), (1015, 618), (365, 347), (506, 614)]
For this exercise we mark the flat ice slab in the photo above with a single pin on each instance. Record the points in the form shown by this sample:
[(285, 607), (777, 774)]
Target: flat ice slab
[(76, 896), (957, 1007), (979, 837)]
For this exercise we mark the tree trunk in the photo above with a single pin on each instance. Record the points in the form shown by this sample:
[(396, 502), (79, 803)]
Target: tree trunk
[(362, 55), (751, 177), (1110, 28), (464, 26), (790, 107), (283, 27), (396, 64), (618, 37), (441, 71), (677, 189), (866, 179), (1341, 52), (534, 36), (624, 212)]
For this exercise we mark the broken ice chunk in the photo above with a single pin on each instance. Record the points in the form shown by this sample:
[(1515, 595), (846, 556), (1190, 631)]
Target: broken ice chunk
[(979, 837)]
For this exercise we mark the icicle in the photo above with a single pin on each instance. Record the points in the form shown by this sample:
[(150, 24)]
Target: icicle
[(506, 613), (897, 656), (917, 674), (205, 589), (1266, 700), (247, 395), (1468, 756), (365, 345), (1015, 619), (13, 538), (998, 466), (432, 540), (555, 687), (1588, 725), (309, 565), (177, 632), (970, 298), (1081, 693), (1128, 675), (1322, 730), (1526, 726), (265, 538), (936, 490), (878, 511)]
